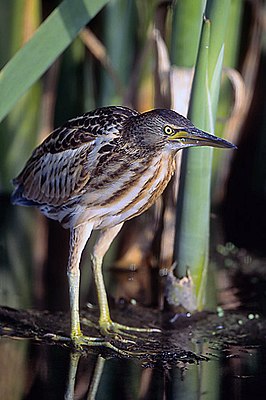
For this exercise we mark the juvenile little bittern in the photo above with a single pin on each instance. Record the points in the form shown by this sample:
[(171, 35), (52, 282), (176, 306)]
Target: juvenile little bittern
[(96, 172)]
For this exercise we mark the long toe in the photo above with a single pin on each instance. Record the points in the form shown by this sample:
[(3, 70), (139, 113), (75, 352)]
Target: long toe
[(114, 337), (125, 333), (78, 340), (84, 342)]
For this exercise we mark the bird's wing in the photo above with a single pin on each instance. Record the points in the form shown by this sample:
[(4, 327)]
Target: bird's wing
[(59, 168)]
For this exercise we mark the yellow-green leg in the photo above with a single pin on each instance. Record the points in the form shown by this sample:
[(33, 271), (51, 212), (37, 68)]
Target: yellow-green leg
[(78, 239), (107, 326)]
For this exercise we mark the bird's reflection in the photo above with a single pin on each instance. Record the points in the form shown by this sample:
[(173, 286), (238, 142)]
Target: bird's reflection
[(30, 371), (73, 366), (75, 387)]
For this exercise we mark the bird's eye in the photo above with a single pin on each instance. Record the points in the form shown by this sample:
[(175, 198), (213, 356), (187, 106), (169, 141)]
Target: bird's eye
[(168, 130)]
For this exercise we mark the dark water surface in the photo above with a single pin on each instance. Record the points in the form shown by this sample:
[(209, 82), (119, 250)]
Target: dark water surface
[(31, 371), (204, 356)]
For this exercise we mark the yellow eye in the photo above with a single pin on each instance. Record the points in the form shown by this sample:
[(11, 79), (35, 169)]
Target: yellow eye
[(168, 130)]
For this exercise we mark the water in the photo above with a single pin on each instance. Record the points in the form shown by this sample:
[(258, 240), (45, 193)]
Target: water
[(31, 371)]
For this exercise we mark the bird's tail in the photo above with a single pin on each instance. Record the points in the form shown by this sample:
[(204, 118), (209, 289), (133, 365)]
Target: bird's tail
[(17, 197)]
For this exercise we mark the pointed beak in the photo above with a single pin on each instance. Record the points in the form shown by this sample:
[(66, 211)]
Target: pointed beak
[(196, 137)]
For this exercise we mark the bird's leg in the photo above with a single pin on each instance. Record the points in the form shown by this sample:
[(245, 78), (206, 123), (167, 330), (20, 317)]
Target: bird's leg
[(78, 239), (107, 326), (100, 248)]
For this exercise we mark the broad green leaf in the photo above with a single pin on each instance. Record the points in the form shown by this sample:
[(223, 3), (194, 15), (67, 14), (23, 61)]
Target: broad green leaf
[(49, 41)]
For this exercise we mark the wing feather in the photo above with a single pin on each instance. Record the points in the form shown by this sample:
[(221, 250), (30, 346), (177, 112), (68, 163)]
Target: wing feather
[(55, 178), (60, 168)]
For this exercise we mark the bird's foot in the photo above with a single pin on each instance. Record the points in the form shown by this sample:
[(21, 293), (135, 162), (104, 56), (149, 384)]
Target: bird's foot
[(76, 338), (81, 342), (122, 333), (112, 336), (110, 327), (118, 342)]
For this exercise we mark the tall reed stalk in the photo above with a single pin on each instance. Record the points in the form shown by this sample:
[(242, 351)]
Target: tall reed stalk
[(193, 207)]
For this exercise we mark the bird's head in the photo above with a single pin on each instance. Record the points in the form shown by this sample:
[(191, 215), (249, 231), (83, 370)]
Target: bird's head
[(174, 131)]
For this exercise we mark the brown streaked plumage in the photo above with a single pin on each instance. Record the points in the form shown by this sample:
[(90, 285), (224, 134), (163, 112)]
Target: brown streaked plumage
[(97, 171)]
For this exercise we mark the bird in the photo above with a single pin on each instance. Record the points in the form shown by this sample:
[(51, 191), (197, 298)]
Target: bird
[(95, 172)]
